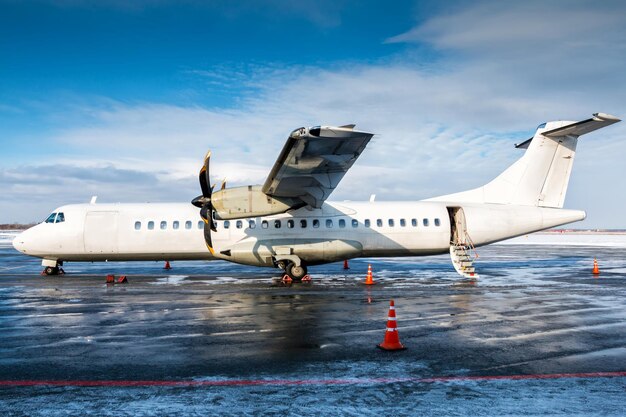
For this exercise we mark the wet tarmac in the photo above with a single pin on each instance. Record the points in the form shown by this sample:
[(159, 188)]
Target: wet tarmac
[(537, 334)]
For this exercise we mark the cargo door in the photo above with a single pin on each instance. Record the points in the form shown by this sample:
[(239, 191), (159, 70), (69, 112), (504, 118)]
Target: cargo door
[(100, 234)]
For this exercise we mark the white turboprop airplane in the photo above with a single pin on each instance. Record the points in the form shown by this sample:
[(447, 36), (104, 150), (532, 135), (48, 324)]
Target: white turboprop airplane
[(287, 223)]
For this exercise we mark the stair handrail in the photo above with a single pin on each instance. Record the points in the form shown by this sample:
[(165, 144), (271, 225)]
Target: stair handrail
[(472, 247)]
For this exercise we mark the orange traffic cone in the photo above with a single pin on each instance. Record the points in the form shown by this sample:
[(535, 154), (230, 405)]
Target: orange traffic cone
[(110, 279), (392, 340), (369, 278), (345, 264), (167, 265), (596, 270)]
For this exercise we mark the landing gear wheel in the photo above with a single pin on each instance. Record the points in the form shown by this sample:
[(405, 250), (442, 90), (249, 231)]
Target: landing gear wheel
[(51, 270), (281, 264), (296, 273)]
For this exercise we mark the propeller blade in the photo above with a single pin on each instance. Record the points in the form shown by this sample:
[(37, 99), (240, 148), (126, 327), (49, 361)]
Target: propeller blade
[(203, 176), (204, 202), (207, 235)]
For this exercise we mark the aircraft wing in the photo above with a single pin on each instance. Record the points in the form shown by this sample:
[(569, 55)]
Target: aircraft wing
[(313, 161)]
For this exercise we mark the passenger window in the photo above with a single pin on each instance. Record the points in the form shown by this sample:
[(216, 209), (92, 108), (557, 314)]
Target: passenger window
[(355, 223), (303, 224), (437, 222), (239, 224), (402, 223), (425, 222), (175, 224), (379, 223), (414, 222), (51, 218), (201, 224), (329, 223), (391, 223), (226, 224), (342, 223), (264, 224), (150, 225), (137, 225), (60, 218), (277, 224), (290, 224), (251, 224), (316, 223), (188, 224), (367, 223)]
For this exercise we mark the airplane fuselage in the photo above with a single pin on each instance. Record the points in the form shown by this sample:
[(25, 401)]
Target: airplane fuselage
[(337, 231)]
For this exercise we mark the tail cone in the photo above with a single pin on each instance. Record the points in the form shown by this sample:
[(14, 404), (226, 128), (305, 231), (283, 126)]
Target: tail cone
[(392, 339)]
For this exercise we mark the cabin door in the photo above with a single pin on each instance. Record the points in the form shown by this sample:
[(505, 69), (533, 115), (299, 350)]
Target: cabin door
[(458, 227)]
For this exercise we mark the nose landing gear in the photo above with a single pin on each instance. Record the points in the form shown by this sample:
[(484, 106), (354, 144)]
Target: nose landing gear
[(52, 268)]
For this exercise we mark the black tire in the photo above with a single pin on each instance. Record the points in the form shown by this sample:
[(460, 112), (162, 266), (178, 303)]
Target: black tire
[(51, 270), (296, 273)]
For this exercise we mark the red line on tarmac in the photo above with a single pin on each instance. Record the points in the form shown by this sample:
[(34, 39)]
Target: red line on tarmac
[(296, 382)]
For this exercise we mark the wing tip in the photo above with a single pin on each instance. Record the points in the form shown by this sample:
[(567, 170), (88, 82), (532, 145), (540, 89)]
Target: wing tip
[(606, 117)]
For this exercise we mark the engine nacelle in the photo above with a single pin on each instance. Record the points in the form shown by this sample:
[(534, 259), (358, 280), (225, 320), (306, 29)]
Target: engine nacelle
[(249, 201)]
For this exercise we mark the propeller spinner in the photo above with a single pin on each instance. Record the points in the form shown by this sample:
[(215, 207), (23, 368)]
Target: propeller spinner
[(204, 202)]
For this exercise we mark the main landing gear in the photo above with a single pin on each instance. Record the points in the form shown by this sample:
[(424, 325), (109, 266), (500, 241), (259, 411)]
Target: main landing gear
[(293, 267)]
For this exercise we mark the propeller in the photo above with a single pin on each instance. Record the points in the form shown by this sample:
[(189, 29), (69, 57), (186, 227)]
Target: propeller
[(204, 202)]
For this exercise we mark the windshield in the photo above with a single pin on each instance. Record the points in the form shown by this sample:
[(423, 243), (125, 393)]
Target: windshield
[(55, 218)]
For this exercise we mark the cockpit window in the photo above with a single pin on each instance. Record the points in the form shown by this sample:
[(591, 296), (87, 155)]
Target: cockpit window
[(55, 218), (541, 126)]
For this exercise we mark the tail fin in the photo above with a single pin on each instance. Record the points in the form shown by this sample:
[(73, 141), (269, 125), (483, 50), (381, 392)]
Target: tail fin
[(540, 177)]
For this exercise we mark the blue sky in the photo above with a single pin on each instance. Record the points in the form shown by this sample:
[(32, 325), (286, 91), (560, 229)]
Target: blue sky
[(122, 99)]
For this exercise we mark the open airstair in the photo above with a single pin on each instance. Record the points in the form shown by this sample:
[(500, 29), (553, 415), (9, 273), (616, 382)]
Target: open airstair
[(461, 244), (462, 260)]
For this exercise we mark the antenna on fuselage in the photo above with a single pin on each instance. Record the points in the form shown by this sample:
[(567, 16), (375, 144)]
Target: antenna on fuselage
[(93, 199)]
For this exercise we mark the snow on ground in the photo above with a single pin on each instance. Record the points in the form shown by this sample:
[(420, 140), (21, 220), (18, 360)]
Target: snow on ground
[(6, 237), (570, 239)]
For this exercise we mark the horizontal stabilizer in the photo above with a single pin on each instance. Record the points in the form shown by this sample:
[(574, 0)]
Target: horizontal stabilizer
[(598, 121)]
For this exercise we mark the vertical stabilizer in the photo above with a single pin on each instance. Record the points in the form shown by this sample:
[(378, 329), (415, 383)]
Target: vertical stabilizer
[(540, 177)]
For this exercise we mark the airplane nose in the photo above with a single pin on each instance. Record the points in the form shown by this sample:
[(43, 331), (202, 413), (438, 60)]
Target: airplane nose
[(19, 243)]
